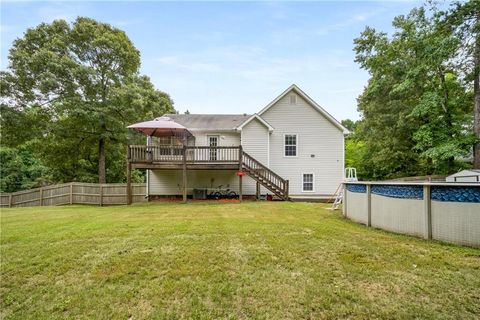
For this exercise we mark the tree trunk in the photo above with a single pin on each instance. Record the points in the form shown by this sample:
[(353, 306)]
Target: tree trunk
[(476, 108), (476, 126), (101, 161), (448, 116), (476, 112)]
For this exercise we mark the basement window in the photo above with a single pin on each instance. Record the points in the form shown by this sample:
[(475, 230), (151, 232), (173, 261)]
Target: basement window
[(307, 182)]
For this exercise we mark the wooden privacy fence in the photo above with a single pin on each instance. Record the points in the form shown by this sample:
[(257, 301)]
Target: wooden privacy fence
[(74, 193)]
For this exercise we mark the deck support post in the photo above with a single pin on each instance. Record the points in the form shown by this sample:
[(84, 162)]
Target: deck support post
[(258, 191), (129, 183), (184, 173), (287, 188), (240, 178)]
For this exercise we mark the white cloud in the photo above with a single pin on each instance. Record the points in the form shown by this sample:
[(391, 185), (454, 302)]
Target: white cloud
[(68, 11), (348, 22)]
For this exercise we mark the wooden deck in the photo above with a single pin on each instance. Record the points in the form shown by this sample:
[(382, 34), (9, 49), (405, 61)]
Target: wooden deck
[(204, 158), (175, 157)]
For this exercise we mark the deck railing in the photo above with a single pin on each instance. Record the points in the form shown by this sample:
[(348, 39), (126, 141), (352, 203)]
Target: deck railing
[(174, 154)]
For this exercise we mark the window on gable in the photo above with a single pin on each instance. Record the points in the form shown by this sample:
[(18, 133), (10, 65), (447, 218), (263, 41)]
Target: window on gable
[(290, 145), (293, 99), (307, 182)]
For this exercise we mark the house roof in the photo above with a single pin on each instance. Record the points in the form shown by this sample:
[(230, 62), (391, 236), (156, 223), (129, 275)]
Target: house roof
[(255, 116), (315, 105), (230, 122), (206, 122), (466, 172)]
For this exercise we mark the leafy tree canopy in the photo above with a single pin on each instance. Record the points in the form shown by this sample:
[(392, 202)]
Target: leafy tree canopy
[(70, 91), (417, 109)]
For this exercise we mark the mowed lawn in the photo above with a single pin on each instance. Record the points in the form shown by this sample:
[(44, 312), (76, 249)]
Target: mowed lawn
[(206, 260)]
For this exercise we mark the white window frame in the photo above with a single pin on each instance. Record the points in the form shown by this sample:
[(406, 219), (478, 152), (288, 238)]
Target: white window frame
[(313, 181), (213, 154), (296, 145), (170, 142)]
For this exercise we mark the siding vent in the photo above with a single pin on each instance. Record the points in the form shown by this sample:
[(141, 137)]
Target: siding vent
[(293, 99)]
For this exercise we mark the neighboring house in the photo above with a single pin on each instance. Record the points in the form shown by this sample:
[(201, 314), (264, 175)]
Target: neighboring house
[(292, 137), (468, 175)]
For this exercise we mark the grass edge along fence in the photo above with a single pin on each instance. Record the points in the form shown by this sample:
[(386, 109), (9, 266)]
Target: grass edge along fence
[(447, 212), (73, 193)]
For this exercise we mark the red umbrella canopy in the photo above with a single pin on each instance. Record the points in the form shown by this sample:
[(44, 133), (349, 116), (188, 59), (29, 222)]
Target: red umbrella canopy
[(160, 127)]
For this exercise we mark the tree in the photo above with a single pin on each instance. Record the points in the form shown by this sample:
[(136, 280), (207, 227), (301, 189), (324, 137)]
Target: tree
[(21, 170), (416, 112), (354, 148), (83, 82), (349, 124), (463, 19)]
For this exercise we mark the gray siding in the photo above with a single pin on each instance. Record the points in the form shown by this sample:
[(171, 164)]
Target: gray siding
[(316, 136)]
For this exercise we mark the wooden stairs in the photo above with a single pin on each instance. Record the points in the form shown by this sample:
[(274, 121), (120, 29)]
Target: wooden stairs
[(266, 177)]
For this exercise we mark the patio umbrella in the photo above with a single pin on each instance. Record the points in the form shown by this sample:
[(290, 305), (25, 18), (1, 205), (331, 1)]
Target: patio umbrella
[(161, 127)]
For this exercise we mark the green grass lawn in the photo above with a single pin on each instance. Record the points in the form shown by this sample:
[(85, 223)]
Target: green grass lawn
[(274, 260)]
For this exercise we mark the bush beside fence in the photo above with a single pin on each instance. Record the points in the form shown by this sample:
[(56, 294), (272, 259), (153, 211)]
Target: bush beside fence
[(73, 193), (443, 211)]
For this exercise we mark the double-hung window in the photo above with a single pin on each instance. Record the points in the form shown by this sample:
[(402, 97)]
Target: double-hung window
[(307, 182), (290, 145)]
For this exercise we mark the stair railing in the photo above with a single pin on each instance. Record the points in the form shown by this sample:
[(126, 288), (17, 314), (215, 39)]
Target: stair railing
[(257, 170)]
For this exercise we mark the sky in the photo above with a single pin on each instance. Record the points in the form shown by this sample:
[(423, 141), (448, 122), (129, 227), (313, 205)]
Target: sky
[(231, 57)]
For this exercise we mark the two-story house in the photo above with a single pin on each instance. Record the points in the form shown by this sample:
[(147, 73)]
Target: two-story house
[(292, 148)]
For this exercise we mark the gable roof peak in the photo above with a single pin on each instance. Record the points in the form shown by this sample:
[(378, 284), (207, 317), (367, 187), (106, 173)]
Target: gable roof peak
[(310, 101)]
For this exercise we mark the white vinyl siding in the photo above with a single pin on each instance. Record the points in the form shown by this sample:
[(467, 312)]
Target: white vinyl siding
[(319, 147), (255, 142), (308, 182), (169, 182)]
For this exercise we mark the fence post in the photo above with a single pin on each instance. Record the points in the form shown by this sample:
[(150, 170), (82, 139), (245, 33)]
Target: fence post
[(41, 196), (71, 192), (101, 195), (427, 211), (369, 205), (129, 183), (10, 199)]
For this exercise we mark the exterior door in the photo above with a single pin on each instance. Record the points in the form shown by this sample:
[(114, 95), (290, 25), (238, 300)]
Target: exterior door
[(213, 143)]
